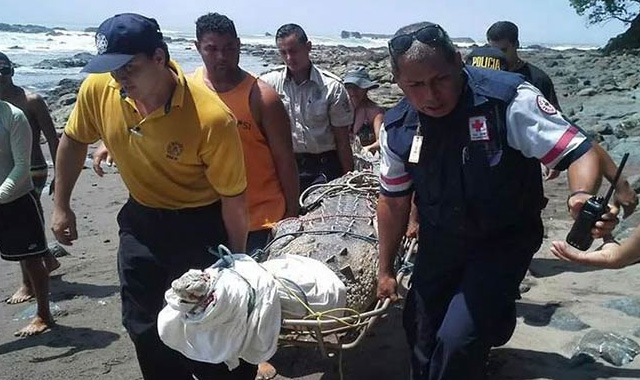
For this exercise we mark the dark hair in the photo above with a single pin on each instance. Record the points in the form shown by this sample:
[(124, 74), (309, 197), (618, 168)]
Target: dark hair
[(287, 30), (215, 23), (419, 50), (152, 50), (503, 30)]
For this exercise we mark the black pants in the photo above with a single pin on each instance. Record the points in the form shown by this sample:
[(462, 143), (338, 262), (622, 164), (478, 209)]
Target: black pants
[(318, 168), (156, 247), (257, 240), (462, 301)]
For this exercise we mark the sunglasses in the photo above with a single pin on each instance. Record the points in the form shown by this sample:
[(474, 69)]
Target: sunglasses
[(427, 35)]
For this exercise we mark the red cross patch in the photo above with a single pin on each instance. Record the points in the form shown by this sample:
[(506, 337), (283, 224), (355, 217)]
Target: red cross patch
[(478, 130), (545, 106)]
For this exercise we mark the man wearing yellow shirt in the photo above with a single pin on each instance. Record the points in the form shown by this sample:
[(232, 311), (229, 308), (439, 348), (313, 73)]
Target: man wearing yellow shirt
[(179, 154)]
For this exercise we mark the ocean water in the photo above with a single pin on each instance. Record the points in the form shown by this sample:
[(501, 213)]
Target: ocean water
[(27, 50)]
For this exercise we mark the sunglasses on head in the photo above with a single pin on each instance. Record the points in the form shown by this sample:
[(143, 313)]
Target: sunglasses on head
[(427, 35)]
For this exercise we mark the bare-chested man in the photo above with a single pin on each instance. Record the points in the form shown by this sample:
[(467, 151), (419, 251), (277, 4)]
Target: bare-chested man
[(40, 121)]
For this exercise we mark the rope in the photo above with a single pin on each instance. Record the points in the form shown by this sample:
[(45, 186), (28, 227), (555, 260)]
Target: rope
[(359, 182)]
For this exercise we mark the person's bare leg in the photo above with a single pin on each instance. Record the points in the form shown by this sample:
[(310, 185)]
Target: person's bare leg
[(25, 291), (51, 262), (266, 371), (39, 277)]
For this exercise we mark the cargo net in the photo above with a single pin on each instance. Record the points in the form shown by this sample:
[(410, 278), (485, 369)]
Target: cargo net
[(339, 229)]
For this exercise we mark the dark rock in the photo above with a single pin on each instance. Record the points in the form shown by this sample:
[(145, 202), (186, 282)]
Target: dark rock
[(632, 81), (611, 88), (587, 92), (92, 29), (78, 60), (608, 80), (527, 283), (17, 28), (604, 129), (55, 33), (267, 34), (627, 305), (627, 40), (572, 80), (567, 321), (67, 99), (463, 40), (16, 47), (612, 347)]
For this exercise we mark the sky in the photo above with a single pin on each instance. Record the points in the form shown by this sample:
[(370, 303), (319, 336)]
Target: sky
[(540, 21)]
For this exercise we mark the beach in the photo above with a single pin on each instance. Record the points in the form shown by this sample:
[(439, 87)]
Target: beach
[(599, 93)]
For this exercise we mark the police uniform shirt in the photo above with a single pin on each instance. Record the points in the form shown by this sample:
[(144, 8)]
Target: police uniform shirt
[(541, 80), (314, 107), (534, 127)]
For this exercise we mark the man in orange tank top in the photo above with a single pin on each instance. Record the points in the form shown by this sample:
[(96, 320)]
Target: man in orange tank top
[(263, 124)]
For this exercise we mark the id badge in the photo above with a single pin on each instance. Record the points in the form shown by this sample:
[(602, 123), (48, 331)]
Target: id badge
[(416, 147)]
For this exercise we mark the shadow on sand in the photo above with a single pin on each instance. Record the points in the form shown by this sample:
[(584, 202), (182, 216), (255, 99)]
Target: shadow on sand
[(383, 354), (541, 267), (517, 364), (76, 339)]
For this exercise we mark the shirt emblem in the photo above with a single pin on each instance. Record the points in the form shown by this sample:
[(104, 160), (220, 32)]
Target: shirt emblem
[(545, 106), (478, 130), (174, 150)]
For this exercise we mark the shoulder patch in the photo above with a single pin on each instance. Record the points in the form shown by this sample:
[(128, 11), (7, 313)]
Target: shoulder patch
[(545, 106)]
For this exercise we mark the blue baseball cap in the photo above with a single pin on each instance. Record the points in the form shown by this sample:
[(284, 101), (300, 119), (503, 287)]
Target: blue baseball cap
[(120, 38)]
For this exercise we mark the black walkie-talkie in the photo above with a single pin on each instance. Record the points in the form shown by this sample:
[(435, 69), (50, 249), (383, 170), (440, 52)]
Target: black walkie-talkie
[(592, 210)]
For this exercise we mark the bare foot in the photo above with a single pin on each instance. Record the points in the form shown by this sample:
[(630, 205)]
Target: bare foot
[(23, 294), (35, 327), (266, 371), (51, 263)]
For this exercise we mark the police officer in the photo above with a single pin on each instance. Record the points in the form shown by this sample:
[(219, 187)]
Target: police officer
[(468, 141), (319, 109)]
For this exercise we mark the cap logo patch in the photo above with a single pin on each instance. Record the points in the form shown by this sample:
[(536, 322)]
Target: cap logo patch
[(101, 43), (545, 106)]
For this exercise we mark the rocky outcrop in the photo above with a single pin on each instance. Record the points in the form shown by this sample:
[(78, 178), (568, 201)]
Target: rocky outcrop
[(78, 60), (61, 100), (18, 28), (627, 40)]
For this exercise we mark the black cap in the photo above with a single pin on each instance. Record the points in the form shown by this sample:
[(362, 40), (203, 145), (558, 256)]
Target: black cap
[(487, 57), (121, 37)]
